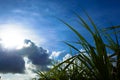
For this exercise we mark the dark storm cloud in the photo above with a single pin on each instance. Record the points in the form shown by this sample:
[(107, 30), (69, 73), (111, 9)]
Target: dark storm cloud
[(11, 63), (37, 55), (39, 59)]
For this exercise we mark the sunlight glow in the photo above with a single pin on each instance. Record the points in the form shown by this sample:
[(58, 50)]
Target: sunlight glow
[(11, 37)]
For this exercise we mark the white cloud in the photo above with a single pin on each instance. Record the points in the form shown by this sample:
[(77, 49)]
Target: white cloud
[(10, 76), (66, 57), (55, 54), (82, 50), (20, 11)]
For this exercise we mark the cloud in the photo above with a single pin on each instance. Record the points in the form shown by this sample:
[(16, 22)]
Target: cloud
[(55, 54), (67, 56), (37, 55), (17, 76), (26, 12), (11, 63)]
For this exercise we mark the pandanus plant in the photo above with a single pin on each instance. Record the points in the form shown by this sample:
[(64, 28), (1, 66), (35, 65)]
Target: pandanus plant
[(95, 63)]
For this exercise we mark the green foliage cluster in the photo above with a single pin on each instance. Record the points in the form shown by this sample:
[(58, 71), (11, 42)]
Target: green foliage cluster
[(100, 61)]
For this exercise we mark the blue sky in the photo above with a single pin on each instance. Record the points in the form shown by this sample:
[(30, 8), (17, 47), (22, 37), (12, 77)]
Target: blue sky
[(35, 20), (40, 16)]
